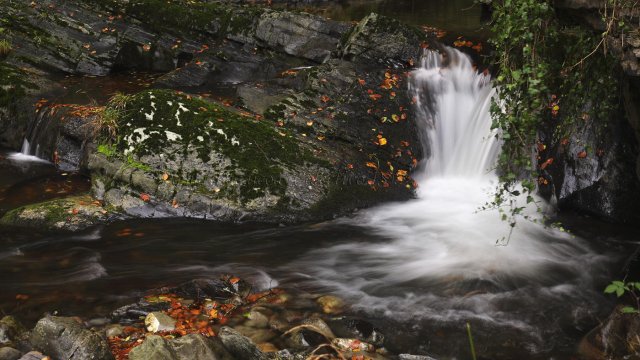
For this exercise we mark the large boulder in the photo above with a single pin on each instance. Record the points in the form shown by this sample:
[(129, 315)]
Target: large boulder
[(65, 338), (378, 38), (69, 214), (616, 338), (180, 155)]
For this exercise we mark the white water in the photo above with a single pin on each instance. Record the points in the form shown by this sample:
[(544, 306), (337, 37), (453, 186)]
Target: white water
[(442, 259)]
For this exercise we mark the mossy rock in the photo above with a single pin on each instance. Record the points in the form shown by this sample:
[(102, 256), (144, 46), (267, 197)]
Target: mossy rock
[(195, 158), (68, 214)]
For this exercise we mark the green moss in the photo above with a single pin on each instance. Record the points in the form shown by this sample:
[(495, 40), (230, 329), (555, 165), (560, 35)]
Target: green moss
[(12, 84), (182, 16), (158, 119)]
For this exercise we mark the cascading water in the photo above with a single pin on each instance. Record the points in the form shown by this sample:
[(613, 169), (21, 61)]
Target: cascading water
[(38, 140), (444, 260)]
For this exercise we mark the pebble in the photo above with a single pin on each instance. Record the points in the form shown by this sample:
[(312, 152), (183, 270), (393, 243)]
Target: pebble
[(331, 304), (158, 321)]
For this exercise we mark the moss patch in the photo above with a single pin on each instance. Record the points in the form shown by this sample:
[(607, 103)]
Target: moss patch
[(12, 84), (175, 125)]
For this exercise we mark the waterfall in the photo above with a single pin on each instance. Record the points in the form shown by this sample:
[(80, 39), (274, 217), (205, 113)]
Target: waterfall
[(442, 258), (40, 137)]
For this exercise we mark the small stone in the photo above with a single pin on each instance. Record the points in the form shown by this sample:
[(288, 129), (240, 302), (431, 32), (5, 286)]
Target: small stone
[(352, 345), (114, 330), (158, 321), (34, 355), (257, 319), (414, 357), (331, 304), (267, 347), (7, 353)]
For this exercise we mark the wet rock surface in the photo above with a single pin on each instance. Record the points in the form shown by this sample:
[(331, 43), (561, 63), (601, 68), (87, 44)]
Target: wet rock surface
[(65, 338)]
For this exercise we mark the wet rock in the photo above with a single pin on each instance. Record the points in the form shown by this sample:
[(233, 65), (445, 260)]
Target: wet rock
[(331, 304), (616, 338), (267, 348), (10, 331), (311, 333), (299, 34), (214, 289), (114, 330), (379, 38), (65, 338), (256, 335), (133, 312), (240, 346), (189, 347), (69, 214), (257, 319), (352, 345), (347, 327), (414, 357), (34, 355), (158, 321), (7, 353)]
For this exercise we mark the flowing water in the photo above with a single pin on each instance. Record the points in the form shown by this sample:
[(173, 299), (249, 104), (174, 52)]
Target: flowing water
[(421, 270)]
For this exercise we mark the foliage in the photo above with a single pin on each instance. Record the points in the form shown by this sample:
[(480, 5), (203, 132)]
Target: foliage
[(549, 76), (5, 47), (104, 125), (622, 287)]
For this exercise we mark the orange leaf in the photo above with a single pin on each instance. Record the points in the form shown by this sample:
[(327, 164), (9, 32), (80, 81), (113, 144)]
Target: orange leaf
[(145, 197), (582, 154)]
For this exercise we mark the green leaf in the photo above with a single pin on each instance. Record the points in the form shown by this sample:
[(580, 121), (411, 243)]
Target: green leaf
[(610, 289), (629, 310), (620, 291)]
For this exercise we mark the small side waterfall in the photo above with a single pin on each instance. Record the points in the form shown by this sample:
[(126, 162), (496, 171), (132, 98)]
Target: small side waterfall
[(441, 260), (41, 136)]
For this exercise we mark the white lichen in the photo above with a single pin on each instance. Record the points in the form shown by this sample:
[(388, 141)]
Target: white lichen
[(171, 136)]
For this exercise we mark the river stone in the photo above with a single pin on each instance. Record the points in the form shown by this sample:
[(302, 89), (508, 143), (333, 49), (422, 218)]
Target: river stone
[(414, 357), (331, 304), (73, 213), (34, 355), (10, 330), (65, 338), (346, 327), (241, 347), (7, 353), (159, 321), (189, 347)]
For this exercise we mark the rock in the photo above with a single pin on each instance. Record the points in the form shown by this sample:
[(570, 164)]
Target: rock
[(225, 181), (256, 335), (347, 327), (158, 321), (378, 38), (331, 304), (214, 289), (10, 331), (311, 333), (616, 338), (133, 312), (189, 347), (352, 345), (114, 330), (69, 214), (7, 353), (414, 357), (240, 346), (34, 355), (257, 319), (267, 348), (65, 338), (299, 34)]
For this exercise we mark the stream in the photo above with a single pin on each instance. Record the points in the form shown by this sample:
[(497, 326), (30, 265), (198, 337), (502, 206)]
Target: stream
[(419, 270)]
